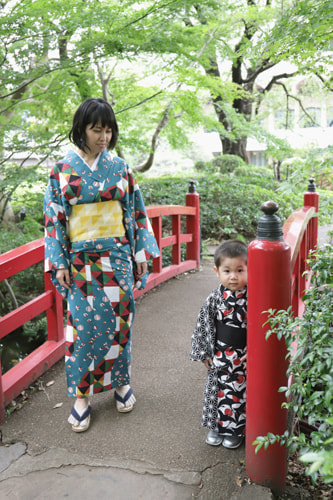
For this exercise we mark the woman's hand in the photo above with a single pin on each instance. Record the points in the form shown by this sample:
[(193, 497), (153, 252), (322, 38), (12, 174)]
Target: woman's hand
[(243, 360), (141, 268), (64, 278), (208, 363)]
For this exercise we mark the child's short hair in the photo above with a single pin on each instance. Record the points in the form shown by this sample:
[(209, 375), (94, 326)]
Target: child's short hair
[(231, 249)]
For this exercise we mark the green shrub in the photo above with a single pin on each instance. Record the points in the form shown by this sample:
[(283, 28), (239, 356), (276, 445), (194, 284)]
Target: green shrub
[(312, 368), (258, 176), (227, 163), (36, 331), (254, 172), (202, 166), (325, 206), (228, 206)]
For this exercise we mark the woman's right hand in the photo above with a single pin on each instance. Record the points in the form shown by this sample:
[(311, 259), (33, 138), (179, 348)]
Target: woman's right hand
[(64, 278)]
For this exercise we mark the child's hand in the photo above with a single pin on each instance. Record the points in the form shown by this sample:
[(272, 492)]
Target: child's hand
[(208, 363), (243, 360)]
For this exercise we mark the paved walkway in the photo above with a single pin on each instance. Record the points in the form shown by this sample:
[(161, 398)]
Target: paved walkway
[(158, 451)]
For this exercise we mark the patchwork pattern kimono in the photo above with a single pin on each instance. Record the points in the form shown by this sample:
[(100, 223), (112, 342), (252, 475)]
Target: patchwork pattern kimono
[(225, 389), (97, 227)]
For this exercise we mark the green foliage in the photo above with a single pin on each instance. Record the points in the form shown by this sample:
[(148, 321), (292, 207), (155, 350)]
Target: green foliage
[(259, 176), (17, 234), (229, 205), (23, 188), (35, 331), (227, 163), (321, 460), (21, 342), (203, 166), (29, 282), (311, 366), (318, 165), (147, 57), (304, 32)]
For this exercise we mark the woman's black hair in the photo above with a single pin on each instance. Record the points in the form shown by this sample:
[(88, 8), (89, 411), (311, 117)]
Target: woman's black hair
[(91, 111), (231, 249)]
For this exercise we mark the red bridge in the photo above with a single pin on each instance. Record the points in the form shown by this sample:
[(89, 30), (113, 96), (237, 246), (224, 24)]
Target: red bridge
[(287, 257)]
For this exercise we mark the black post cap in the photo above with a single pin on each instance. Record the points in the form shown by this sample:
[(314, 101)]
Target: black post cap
[(311, 186), (269, 225), (191, 188)]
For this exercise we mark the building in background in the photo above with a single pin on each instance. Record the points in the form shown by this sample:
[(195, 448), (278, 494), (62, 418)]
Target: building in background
[(308, 123)]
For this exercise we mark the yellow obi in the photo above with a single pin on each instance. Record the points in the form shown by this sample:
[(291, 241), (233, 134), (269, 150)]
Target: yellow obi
[(90, 221)]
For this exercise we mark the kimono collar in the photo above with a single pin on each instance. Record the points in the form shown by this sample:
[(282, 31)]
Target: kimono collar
[(231, 298), (81, 168)]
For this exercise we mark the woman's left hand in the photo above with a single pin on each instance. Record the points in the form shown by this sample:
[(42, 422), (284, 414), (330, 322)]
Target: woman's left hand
[(141, 268)]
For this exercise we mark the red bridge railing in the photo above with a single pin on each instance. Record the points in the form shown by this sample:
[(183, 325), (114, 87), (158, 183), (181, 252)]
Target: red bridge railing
[(276, 280), (28, 370)]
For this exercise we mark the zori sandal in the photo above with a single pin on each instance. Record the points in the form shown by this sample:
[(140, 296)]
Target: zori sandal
[(121, 405), (80, 427)]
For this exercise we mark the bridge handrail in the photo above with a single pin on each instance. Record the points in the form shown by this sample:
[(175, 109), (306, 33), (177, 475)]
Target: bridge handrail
[(297, 232), (277, 278), (41, 359)]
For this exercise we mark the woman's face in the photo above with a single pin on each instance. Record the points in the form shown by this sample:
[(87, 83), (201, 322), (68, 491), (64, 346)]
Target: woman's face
[(97, 138)]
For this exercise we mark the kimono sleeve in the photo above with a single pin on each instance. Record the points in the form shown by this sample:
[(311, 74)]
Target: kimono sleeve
[(137, 223), (203, 336), (55, 231)]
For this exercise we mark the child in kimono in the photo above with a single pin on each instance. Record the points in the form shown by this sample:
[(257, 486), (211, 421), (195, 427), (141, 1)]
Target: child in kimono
[(219, 341), (98, 239)]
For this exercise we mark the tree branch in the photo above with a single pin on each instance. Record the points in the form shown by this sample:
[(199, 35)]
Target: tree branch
[(148, 163), (275, 80), (289, 96), (147, 13), (265, 65), (325, 83), (140, 102)]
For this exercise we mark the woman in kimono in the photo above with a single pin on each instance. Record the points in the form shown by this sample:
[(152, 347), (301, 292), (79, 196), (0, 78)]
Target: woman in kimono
[(98, 239)]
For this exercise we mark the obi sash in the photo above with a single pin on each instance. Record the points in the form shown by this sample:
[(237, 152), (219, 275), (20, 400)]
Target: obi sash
[(232, 336), (89, 221)]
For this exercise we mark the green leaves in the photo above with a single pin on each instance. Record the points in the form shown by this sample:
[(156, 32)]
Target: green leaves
[(311, 368)]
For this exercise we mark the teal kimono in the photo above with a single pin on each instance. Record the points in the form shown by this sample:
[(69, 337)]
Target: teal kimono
[(100, 302)]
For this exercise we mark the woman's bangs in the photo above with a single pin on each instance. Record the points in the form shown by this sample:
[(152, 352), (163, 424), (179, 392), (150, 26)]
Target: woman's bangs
[(101, 114)]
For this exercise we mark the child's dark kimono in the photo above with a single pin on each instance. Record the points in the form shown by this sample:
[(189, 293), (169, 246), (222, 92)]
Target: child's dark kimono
[(220, 335)]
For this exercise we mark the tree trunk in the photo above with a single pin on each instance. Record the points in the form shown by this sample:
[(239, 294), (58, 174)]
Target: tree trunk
[(237, 148), (241, 105)]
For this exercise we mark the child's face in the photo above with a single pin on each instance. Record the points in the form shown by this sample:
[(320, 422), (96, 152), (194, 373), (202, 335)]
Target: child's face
[(232, 273)]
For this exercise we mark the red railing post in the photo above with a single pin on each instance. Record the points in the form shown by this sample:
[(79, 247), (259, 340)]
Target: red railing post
[(311, 199), (193, 225), (176, 248), (269, 287), (157, 230), (55, 327), (2, 398)]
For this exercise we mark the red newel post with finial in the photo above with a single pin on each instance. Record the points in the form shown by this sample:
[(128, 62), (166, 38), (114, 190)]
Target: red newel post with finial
[(269, 287), (311, 199), (193, 225)]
